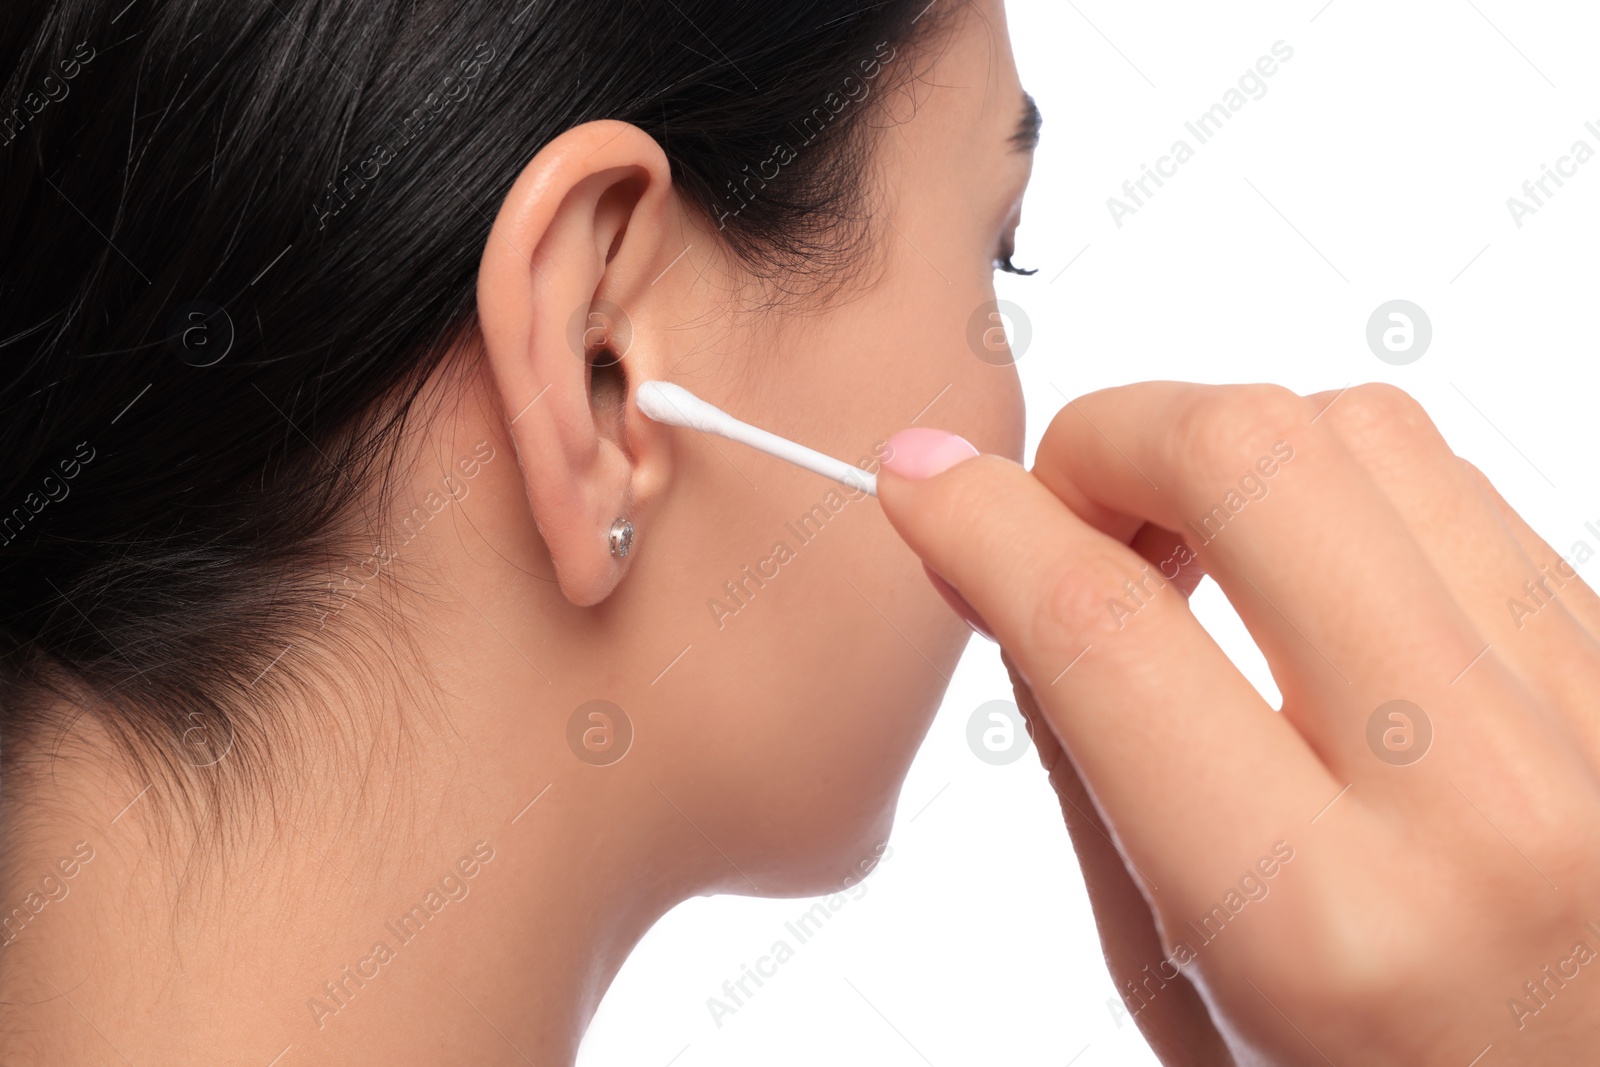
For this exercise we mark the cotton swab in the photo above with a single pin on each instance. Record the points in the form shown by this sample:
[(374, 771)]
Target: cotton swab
[(676, 406)]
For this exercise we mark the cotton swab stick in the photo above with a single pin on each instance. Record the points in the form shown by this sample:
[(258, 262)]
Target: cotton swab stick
[(676, 406)]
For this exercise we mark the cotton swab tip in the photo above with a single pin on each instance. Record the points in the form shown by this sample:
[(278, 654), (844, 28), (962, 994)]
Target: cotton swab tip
[(676, 406)]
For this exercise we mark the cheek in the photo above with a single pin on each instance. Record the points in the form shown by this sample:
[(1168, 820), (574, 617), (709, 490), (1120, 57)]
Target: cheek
[(1000, 421), (814, 697), (955, 364), (996, 334), (984, 402), (813, 700)]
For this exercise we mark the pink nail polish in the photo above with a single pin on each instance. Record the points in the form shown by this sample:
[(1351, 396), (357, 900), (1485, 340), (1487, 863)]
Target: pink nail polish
[(959, 605), (921, 452)]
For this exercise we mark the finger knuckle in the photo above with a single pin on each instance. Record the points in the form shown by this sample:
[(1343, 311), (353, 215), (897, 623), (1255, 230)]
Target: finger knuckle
[(1224, 431), (1342, 957), (1551, 830), (1074, 611), (1377, 414)]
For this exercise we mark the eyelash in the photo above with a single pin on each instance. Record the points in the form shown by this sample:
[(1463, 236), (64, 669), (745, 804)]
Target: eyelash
[(1003, 260), (1004, 263)]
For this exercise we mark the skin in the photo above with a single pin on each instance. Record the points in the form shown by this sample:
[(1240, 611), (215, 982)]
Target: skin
[(1420, 895), (769, 745), (432, 734)]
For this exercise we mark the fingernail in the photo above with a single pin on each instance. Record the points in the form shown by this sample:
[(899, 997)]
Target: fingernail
[(921, 452), (958, 604)]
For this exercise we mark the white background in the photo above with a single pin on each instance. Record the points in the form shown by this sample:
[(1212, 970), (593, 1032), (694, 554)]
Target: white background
[(1377, 166)]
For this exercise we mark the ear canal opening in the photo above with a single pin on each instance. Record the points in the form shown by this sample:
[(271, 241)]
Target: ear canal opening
[(608, 394)]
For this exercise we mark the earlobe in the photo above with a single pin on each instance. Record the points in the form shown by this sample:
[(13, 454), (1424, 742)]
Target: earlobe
[(563, 286)]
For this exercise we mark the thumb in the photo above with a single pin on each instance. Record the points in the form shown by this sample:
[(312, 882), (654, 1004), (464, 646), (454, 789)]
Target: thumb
[(1000, 546)]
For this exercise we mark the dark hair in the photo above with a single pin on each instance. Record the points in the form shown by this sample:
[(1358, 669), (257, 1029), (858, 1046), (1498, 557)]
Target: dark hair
[(238, 238)]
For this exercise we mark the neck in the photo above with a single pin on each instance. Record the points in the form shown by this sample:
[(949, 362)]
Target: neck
[(436, 860), (496, 909), (406, 843)]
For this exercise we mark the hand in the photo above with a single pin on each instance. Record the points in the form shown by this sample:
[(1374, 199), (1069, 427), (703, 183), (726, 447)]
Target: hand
[(1401, 867)]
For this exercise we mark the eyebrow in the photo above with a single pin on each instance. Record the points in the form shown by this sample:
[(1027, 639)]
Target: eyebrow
[(1026, 138)]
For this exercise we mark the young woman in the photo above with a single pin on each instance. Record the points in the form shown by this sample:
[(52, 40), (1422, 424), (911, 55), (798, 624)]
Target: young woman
[(375, 675)]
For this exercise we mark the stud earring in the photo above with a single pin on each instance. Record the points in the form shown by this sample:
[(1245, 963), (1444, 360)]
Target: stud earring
[(621, 537)]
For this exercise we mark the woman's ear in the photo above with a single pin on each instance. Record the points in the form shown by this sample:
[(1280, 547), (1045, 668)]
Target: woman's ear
[(565, 293)]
